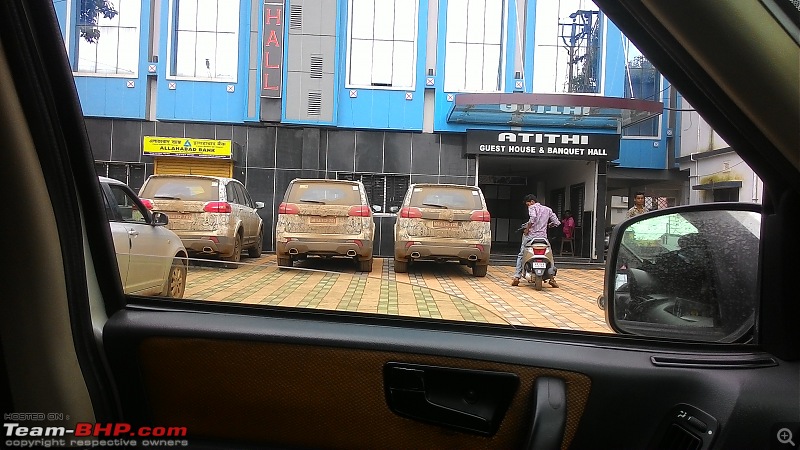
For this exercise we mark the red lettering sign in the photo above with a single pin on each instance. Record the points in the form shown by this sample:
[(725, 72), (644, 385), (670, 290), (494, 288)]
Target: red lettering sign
[(272, 50)]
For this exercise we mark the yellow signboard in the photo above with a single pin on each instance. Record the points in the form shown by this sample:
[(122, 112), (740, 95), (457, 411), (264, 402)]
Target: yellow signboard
[(204, 148)]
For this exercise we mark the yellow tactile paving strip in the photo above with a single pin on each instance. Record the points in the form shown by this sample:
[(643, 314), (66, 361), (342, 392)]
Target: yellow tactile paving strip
[(441, 291)]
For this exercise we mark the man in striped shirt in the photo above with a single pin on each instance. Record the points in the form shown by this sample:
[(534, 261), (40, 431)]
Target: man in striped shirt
[(540, 217)]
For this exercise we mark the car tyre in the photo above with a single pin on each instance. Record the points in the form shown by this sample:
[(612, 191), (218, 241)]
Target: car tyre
[(233, 260), (255, 251), (479, 270), (175, 284), (400, 266), (365, 265)]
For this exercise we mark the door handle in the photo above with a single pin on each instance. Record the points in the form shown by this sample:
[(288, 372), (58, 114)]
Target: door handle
[(549, 414), (133, 233), (472, 401)]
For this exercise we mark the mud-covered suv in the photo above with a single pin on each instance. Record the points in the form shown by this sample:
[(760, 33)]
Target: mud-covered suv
[(443, 222), (211, 215), (325, 218)]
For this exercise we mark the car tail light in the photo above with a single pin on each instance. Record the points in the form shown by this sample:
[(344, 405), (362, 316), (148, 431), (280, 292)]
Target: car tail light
[(359, 211), (217, 207), (539, 251), (288, 208), (147, 203), (480, 216), (479, 247), (411, 213), (410, 243), (358, 243)]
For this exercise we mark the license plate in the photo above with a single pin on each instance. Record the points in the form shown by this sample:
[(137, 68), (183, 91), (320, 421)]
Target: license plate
[(444, 224), (538, 265), (179, 216), (329, 220)]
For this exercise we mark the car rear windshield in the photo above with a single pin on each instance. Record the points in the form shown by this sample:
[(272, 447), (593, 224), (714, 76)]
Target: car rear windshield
[(446, 197), (324, 193), (187, 189)]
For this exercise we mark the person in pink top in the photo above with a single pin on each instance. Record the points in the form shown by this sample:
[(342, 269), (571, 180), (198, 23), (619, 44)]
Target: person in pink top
[(540, 218), (568, 225)]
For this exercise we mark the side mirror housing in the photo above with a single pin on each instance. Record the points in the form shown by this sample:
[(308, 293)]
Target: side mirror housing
[(376, 208), (259, 205), (394, 209), (160, 219), (688, 272)]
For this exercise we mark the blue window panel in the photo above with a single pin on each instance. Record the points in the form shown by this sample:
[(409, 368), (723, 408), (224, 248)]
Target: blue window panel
[(200, 102), (109, 97), (380, 109), (61, 14), (642, 155), (614, 63)]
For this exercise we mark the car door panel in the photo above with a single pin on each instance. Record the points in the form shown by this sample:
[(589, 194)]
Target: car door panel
[(268, 373), (122, 246)]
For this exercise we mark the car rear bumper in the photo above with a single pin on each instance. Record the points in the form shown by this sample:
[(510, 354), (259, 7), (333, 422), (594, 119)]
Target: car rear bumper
[(333, 247), (200, 243), (460, 251)]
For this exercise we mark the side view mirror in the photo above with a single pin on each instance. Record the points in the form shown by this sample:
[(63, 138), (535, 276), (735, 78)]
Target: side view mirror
[(376, 208), (394, 209), (259, 205), (160, 219), (688, 272)]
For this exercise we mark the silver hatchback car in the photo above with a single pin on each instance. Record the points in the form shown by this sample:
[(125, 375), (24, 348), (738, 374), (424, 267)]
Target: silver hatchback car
[(151, 258)]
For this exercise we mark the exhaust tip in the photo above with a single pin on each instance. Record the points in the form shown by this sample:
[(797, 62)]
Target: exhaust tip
[(208, 250), (351, 253), (415, 254), (292, 251), (473, 257)]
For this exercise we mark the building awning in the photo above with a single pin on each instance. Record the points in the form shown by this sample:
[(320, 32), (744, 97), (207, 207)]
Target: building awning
[(551, 110), (718, 185)]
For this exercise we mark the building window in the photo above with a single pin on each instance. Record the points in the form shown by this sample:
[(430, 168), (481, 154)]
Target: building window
[(107, 45), (132, 174), (383, 43), (568, 54), (385, 191), (643, 82), (204, 39), (725, 195), (474, 45)]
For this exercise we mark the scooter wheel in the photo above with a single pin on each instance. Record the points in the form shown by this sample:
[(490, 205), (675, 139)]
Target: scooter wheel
[(537, 283)]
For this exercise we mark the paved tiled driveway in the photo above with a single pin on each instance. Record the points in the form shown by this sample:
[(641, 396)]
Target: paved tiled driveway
[(445, 291)]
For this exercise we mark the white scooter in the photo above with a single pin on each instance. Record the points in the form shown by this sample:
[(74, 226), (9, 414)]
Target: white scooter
[(537, 263)]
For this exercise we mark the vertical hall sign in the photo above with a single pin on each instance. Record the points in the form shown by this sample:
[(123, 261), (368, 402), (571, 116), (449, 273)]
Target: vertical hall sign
[(272, 69)]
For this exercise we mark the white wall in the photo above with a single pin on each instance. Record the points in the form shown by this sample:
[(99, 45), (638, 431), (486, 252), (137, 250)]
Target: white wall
[(697, 137)]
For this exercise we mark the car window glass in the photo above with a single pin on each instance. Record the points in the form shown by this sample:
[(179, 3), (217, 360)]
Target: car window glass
[(187, 189), (439, 197), (232, 193), (111, 211), (245, 196), (324, 193), (489, 147), (241, 195), (128, 209)]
